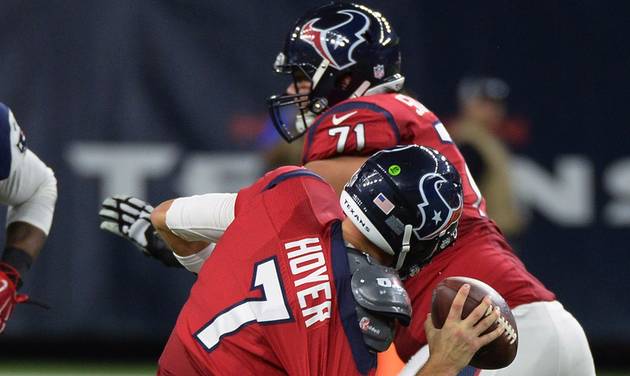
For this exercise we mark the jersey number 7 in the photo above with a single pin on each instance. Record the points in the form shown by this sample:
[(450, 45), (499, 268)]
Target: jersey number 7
[(271, 307)]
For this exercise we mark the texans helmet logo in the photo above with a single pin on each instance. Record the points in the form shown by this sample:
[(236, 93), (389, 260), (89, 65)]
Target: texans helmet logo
[(337, 42), (438, 212)]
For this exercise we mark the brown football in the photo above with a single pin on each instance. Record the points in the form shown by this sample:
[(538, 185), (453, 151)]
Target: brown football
[(500, 352)]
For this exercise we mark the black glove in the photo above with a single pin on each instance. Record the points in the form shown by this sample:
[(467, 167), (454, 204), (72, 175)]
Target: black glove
[(130, 218)]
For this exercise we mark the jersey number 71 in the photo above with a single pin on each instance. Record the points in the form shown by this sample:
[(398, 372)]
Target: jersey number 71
[(343, 132)]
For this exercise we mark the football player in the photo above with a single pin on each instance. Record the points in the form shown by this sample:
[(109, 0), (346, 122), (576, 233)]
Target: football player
[(29, 188), (344, 64), (343, 61), (286, 291)]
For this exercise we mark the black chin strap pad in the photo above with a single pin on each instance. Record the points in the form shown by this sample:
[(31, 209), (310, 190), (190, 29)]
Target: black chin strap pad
[(378, 331)]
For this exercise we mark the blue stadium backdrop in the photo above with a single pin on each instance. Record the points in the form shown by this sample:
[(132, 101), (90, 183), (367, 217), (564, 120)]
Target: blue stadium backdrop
[(155, 98)]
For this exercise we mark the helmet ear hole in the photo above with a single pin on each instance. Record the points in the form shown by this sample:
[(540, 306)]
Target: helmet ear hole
[(368, 37), (343, 81)]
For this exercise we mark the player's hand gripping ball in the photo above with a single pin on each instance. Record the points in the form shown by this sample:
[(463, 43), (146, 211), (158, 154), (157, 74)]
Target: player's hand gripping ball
[(498, 353)]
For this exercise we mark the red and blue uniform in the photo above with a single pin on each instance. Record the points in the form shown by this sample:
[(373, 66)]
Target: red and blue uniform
[(365, 125), (275, 296)]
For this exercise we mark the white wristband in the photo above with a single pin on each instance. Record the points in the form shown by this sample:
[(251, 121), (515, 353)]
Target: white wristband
[(195, 261)]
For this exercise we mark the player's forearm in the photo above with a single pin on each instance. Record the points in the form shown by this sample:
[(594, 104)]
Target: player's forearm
[(23, 243), (24, 236), (180, 246)]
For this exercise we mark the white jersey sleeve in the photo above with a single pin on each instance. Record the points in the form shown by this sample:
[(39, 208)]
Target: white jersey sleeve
[(27, 185), (201, 217)]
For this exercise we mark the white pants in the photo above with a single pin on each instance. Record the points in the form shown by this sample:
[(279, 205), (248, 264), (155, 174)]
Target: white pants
[(551, 343)]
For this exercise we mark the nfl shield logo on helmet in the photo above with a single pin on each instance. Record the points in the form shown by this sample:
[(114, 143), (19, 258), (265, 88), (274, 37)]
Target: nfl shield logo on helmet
[(379, 71)]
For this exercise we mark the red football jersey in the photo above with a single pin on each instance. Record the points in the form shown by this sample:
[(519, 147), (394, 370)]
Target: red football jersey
[(482, 254), (365, 125), (275, 296)]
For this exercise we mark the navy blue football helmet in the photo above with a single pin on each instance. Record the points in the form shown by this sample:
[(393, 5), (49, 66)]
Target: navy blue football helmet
[(406, 200), (344, 50)]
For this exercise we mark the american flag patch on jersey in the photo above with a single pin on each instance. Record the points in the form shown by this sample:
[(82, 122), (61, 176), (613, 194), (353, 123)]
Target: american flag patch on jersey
[(383, 203)]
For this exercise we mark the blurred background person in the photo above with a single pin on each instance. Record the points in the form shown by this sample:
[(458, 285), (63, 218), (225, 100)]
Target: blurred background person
[(482, 113)]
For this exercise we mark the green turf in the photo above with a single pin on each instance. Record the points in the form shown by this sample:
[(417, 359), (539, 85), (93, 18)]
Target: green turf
[(118, 369), (76, 368)]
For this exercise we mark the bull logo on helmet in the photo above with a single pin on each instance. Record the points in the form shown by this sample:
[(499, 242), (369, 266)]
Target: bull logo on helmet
[(337, 42), (438, 212)]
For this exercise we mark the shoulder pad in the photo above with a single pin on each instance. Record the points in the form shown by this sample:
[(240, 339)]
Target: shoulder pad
[(379, 289), (380, 299), (357, 259)]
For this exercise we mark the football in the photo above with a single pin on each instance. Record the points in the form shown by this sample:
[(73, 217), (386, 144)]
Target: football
[(500, 352)]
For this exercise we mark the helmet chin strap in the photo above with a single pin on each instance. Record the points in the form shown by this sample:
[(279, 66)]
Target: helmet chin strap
[(320, 72), (365, 85), (319, 104), (405, 247)]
